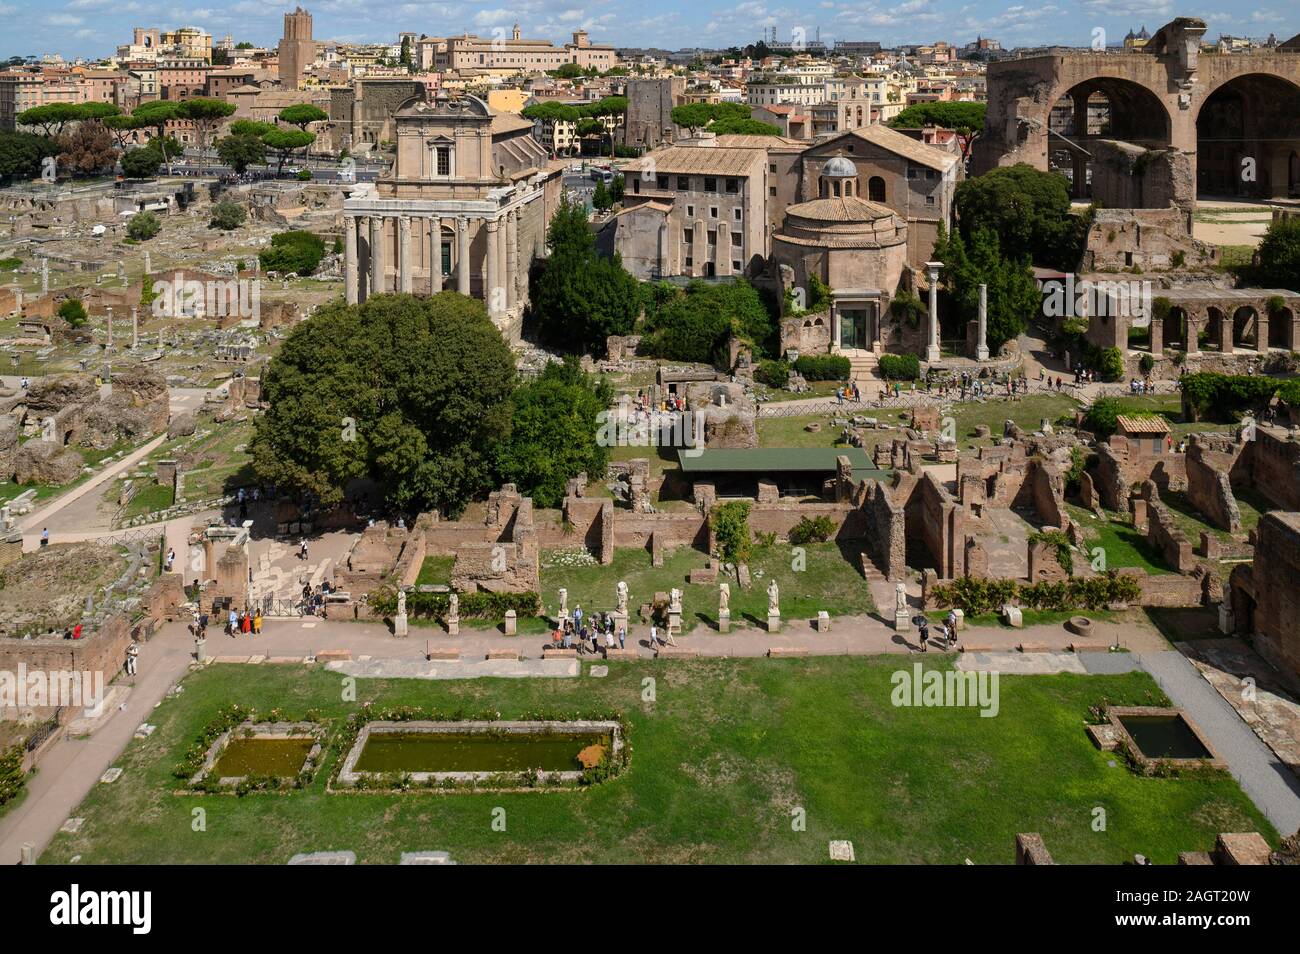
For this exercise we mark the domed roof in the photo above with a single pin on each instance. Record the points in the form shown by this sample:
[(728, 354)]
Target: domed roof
[(840, 168)]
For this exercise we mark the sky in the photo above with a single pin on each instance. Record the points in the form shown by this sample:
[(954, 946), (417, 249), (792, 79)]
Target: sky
[(92, 28)]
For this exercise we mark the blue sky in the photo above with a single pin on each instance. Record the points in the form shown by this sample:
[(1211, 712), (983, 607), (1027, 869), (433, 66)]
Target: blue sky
[(95, 27)]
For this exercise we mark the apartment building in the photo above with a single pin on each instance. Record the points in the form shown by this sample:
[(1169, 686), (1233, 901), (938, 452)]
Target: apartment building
[(515, 54), (182, 78), (24, 89)]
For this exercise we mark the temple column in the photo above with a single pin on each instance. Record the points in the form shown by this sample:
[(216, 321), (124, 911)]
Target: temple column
[(350, 259), (512, 259), (462, 256), (491, 293), (376, 255), (404, 253), (982, 345), (932, 348), (435, 255), (1157, 337), (1261, 331)]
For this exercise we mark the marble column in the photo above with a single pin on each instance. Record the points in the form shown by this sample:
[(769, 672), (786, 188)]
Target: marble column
[(982, 345), (1157, 330), (135, 328), (1261, 332), (350, 260), (376, 255), (512, 259), (363, 257), (491, 293), (462, 256), (404, 253), (435, 255), (932, 347), (109, 326)]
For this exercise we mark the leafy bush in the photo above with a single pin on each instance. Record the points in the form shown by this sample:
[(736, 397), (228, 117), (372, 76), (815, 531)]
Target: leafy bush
[(900, 367), (1225, 395), (141, 163), (976, 596), (1110, 364), (812, 530), (294, 251), (73, 312), (227, 215), (823, 367), (695, 324), (907, 306), (774, 374), (304, 175), (383, 600), (10, 264), (143, 226), (1103, 417), (12, 776), (730, 525)]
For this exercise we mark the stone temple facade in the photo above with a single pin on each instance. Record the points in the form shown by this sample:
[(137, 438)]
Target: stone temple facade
[(464, 208)]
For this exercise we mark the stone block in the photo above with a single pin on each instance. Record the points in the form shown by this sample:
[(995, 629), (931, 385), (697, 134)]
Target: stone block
[(511, 623), (1011, 615), (334, 655), (776, 652), (1241, 848), (822, 622)]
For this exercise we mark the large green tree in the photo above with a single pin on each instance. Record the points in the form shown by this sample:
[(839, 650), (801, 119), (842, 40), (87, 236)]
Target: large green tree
[(241, 151), (580, 297), (21, 154), (1029, 212), (285, 142), (694, 324), (1013, 296), (206, 114), (554, 432), (1279, 256), (414, 393)]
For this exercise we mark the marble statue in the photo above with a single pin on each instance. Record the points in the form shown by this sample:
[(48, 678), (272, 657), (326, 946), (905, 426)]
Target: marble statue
[(773, 599), (401, 602), (564, 602), (675, 601), (724, 599), (622, 597), (900, 598), (453, 606)]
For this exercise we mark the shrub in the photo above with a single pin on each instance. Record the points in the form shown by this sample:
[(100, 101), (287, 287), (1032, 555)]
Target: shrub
[(383, 600), (10, 264), (227, 216), (976, 596), (908, 307), (73, 312), (294, 251), (812, 530), (143, 226), (304, 175), (900, 367), (1226, 395), (1103, 417), (775, 374), (1146, 363), (12, 776), (1110, 364), (730, 525), (823, 367), (141, 163)]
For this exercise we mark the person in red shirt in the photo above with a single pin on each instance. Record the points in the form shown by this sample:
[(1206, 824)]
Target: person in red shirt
[(76, 631)]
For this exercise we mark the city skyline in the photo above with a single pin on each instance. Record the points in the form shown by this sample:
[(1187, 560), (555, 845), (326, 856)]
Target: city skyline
[(94, 28)]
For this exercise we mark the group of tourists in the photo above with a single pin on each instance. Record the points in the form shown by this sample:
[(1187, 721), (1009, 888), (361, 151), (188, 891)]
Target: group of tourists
[(586, 635), (848, 392), (250, 624), (947, 632)]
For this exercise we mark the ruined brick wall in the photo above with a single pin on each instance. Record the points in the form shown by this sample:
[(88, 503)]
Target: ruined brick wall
[(1163, 532), (1277, 590), (1121, 464), (1275, 466), (103, 650), (935, 521), (884, 529), (1210, 460)]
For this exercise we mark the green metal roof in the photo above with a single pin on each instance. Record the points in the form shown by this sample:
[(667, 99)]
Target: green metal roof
[(766, 460)]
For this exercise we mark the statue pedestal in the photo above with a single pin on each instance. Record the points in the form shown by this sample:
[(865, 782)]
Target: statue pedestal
[(902, 621), (511, 623), (773, 622), (200, 645), (399, 625), (620, 621), (674, 621), (453, 625), (724, 622)]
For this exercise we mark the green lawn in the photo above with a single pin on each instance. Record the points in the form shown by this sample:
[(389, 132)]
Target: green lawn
[(1123, 546), (721, 760), (827, 581), (435, 570)]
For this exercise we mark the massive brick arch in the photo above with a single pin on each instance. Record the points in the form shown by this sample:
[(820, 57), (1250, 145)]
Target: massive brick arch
[(1173, 71)]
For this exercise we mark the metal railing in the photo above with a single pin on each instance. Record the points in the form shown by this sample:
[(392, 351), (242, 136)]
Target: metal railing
[(43, 731)]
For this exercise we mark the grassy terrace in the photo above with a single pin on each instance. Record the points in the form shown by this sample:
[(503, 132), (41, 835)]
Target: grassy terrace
[(719, 762), (827, 582)]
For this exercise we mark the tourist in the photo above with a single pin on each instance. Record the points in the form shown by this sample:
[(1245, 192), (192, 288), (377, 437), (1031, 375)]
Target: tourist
[(302, 549), (654, 635), (132, 652), (171, 558), (609, 638), (45, 536), (924, 627), (257, 623), (622, 636), (203, 624), (246, 623), (76, 631), (577, 615), (232, 623)]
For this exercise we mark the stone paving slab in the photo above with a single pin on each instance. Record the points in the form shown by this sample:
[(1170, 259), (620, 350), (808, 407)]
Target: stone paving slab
[(1020, 664), (324, 858), (1109, 664), (459, 669), (426, 858)]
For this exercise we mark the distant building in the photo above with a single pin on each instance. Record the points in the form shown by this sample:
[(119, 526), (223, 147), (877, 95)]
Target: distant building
[(297, 49)]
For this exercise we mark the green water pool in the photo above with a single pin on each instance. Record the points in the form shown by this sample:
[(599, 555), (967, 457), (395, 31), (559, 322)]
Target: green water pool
[(278, 758), (474, 751)]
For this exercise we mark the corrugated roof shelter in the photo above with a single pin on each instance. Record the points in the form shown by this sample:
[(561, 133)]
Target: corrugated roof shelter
[(795, 470), (1143, 425)]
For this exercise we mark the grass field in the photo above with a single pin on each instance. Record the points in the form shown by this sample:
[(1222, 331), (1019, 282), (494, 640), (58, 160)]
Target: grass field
[(827, 581), (1124, 546), (721, 760)]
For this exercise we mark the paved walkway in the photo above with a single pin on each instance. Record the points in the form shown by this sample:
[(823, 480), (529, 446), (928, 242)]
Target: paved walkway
[(1263, 777), (72, 766)]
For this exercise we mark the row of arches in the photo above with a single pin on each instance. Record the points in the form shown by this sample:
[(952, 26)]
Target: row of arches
[(1247, 133), (1218, 329)]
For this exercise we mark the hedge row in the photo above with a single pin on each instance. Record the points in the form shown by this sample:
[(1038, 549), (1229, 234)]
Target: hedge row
[(900, 367), (472, 605), (774, 374), (976, 597), (1226, 395), (823, 367)]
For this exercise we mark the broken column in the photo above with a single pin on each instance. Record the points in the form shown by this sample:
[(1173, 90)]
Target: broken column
[(932, 348), (982, 345), (45, 276), (135, 328), (109, 322)]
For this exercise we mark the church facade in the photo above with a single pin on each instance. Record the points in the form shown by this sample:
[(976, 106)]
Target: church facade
[(465, 208)]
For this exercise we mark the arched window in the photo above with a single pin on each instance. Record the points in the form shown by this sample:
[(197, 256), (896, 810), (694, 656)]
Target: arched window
[(876, 189)]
